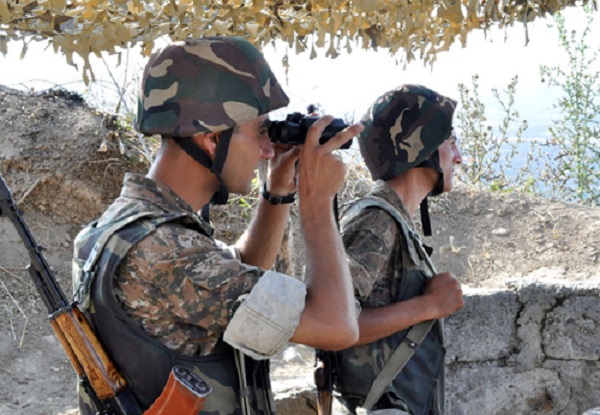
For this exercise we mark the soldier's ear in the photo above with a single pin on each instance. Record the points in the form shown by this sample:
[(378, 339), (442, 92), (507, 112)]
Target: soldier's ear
[(207, 142)]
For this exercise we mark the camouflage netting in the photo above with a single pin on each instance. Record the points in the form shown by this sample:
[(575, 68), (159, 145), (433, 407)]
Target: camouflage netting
[(418, 29)]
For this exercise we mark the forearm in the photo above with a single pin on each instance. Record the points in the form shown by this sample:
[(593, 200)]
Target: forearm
[(330, 303), (329, 318), (261, 242), (377, 323)]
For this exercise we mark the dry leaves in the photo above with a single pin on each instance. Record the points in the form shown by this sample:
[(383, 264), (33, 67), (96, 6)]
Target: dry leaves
[(418, 28)]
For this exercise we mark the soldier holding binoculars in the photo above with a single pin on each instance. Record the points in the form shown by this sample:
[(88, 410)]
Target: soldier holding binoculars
[(163, 291)]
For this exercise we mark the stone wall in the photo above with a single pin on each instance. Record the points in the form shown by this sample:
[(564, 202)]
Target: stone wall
[(530, 348)]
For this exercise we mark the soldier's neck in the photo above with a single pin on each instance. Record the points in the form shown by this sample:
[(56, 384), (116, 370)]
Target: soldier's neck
[(191, 181), (412, 187)]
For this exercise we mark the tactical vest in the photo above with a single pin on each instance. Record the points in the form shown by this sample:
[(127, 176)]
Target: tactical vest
[(142, 359), (418, 388)]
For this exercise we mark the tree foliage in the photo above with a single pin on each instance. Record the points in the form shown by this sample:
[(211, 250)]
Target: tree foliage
[(417, 28)]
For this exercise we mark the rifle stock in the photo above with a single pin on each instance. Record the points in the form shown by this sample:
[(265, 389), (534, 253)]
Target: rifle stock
[(176, 399), (324, 382), (96, 372), (83, 347)]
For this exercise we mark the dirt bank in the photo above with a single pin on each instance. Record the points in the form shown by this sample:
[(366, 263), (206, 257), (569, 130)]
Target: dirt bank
[(64, 162)]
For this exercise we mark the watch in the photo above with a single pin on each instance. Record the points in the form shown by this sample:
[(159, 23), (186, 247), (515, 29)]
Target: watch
[(277, 200)]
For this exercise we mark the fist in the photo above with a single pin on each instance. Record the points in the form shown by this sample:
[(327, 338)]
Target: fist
[(445, 293)]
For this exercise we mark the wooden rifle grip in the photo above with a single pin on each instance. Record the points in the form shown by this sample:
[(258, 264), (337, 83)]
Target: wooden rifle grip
[(67, 347), (89, 354), (184, 394)]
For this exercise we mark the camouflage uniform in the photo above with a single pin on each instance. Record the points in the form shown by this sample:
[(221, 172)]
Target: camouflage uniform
[(157, 288), (387, 260), (176, 289)]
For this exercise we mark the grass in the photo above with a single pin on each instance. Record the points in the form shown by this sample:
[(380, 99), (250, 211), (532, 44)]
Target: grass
[(12, 319)]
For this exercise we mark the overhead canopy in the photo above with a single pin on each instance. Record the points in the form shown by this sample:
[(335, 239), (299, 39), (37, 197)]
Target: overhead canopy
[(412, 28)]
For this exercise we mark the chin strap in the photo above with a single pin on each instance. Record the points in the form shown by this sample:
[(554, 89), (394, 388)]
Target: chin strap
[(220, 197), (426, 223), (434, 163), (216, 167), (425, 220)]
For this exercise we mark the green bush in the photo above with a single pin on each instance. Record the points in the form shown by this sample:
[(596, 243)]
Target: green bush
[(575, 133), (489, 152)]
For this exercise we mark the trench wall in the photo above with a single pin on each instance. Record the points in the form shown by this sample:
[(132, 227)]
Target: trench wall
[(530, 348)]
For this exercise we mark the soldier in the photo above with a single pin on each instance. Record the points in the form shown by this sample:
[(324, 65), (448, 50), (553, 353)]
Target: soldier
[(410, 149), (160, 290)]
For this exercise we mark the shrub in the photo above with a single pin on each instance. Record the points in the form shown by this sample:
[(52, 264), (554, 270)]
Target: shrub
[(575, 133), (488, 152)]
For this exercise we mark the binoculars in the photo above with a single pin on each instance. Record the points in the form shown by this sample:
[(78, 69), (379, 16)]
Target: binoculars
[(294, 128)]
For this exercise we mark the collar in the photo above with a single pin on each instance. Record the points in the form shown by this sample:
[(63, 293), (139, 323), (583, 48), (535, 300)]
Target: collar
[(383, 190), (160, 197)]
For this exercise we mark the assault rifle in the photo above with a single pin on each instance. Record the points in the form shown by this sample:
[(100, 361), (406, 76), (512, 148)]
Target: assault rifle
[(184, 393)]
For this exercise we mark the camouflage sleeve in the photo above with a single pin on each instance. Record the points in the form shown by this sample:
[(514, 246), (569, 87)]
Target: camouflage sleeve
[(180, 286), (369, 239)]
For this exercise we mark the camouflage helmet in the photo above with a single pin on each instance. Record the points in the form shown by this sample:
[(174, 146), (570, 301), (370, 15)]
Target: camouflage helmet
[(205, 85), (403, 128)]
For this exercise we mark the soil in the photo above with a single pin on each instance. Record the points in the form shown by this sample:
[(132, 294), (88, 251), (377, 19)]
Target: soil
[(64, 163)]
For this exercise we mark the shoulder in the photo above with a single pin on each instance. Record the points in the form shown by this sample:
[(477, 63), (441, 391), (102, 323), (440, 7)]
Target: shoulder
[(370, 220), (177, 252), (174, 242)]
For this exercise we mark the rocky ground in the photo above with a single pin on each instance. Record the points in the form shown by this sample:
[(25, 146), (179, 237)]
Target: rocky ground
[(64, 163)]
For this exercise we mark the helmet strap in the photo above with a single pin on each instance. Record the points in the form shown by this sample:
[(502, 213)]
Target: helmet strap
[(432, 162), (426, 224), (188, 145), (222, 195)]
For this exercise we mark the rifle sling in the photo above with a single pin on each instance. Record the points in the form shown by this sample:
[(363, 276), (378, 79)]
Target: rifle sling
[(397, 361)]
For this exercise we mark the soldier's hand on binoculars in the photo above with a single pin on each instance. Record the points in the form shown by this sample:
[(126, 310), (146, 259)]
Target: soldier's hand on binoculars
[(282, 170), (321, 171)]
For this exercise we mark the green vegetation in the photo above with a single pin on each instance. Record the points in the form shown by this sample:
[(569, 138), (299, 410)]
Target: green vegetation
[(565, 166), (489, 152), (576, 130)]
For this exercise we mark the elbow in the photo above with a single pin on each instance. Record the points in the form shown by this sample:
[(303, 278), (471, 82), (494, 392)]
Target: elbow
[(342, 336), (327, 334), (345, 342), (328, 328)]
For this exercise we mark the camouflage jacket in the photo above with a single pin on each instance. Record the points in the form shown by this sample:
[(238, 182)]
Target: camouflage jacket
[(388, 265), (162, 292)]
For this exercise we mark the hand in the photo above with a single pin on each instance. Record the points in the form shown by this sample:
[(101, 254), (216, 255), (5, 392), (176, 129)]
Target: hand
[(445, 294), (282, 170), (321, 172)]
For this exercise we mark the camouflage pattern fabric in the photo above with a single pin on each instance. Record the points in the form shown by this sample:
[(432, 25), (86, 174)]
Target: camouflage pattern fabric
[(403, 128), (205, 85), (371, 243), (388, 265), (172, 298), (177, 284)]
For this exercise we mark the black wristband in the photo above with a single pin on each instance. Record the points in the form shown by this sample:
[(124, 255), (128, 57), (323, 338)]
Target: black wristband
[(277, 200)]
